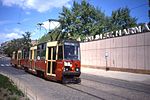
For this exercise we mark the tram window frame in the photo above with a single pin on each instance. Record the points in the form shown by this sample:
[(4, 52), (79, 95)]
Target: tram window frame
[(43, 54), (30, 54), (49, 53), (23, 55), (41, 51), (60, 52), (35, 53), (15, 55), (19, 55), (54, 53), (27, 54)]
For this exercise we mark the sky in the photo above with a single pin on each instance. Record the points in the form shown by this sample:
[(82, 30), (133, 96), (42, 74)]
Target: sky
[(20, 16)]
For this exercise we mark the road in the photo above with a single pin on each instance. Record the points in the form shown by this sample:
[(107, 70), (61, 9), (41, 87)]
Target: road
[(91, 88)]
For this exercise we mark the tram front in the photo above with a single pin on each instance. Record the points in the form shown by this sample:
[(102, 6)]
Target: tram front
[(71, 68)]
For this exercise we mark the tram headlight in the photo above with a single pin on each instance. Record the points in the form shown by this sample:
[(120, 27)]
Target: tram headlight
[(66, 69), (77, 69)]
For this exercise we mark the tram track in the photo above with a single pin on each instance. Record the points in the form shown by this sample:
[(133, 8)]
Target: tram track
[(78, 87), (122, 86), (90, 94), (97, 90)]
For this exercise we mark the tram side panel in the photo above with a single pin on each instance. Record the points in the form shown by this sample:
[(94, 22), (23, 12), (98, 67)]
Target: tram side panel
[(40, 65)]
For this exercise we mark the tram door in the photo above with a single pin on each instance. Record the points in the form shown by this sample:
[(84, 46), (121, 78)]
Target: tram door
[(33, 55), (19, 57), (31, 59), (51, 59)]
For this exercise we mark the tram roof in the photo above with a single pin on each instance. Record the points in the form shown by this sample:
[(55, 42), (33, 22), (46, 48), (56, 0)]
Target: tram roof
[(33, 48), (54, 43)]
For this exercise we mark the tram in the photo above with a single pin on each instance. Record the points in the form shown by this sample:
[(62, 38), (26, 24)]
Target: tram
[(19, 58), (57, 61)]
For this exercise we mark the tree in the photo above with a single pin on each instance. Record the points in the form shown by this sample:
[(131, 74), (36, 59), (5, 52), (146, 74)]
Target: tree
[(26, 40), (51, 36), (82, 20), (16, 44), (13, 45), (121, 19)]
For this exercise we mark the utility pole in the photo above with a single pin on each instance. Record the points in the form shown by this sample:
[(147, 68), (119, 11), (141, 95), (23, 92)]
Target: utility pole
[(40, 24), (149, 10), (106, 58)]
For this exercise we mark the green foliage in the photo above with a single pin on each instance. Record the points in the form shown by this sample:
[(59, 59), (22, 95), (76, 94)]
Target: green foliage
[(7, 84), (121, 19), (26, 41), (16, 44), (82, 20), (51, 36)]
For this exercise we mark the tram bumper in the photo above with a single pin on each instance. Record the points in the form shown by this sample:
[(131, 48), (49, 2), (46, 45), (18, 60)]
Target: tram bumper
[(71, 77), (71, 73)]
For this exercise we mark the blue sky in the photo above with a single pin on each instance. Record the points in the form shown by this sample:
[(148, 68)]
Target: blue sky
[(30, 12)]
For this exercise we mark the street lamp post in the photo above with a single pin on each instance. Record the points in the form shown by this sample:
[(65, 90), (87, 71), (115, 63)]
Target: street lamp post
[(106, 58), (40, 24)]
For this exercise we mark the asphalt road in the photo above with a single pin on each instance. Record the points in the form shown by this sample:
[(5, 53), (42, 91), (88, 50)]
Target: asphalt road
[(91, 88)]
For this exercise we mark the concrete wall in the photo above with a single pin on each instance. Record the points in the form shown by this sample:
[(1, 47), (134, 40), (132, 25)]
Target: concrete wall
[(128, 52)]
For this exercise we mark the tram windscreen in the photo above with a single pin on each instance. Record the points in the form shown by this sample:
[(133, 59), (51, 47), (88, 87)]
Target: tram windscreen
[(71, 51)]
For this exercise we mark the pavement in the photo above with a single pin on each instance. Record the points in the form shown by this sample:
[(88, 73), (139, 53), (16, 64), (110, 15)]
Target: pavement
[(136, 77)]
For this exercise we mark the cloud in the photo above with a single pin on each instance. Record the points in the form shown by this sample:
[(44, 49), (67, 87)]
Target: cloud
[(17, 30), (38, 5), (27, 12), (13, 36)]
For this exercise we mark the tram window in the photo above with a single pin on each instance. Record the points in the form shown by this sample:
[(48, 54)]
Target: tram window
[(23, 54), (53, 67), (19, 55), (43, 53), (60, 53), (38, 52), (49, 53), (39, 47), (35, 54), (30, 54), (54, 53), (27, 54), (43, 46), (48, 69), (15, 55)]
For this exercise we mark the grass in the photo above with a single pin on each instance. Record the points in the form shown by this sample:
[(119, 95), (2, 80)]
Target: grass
[(9, 91)]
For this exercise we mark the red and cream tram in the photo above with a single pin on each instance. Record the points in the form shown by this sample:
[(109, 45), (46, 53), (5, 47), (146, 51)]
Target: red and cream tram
[(57, 60), (19, 58)]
